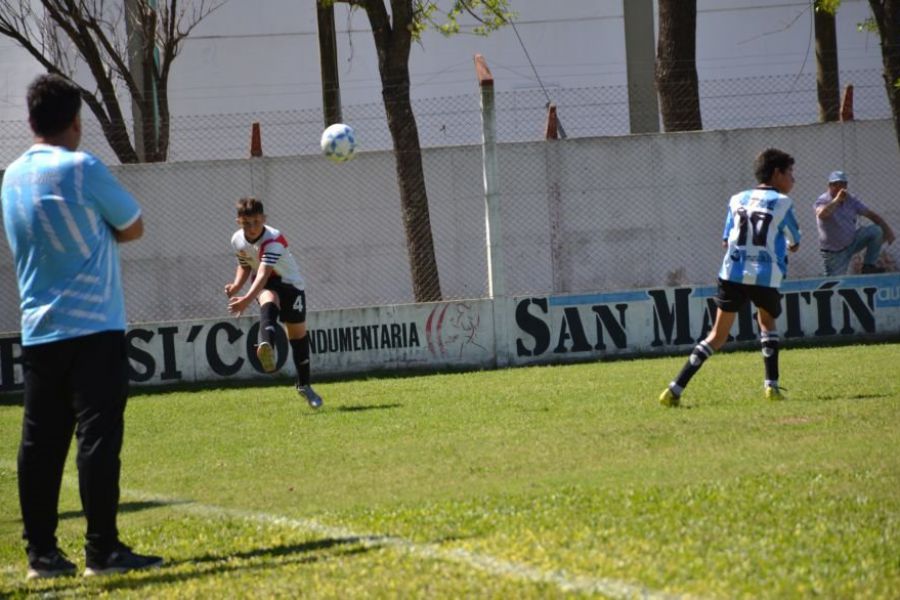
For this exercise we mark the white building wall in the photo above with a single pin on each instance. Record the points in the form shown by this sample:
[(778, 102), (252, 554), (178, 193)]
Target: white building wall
[(572, 44), (262, 55), (597, 214)]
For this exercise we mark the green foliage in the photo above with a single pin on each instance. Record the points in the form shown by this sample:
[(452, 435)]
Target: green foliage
[(489, 15), (829, 6), (867, 26), (537, 482)]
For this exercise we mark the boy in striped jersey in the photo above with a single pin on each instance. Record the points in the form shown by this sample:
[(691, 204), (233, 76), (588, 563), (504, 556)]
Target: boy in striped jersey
[(759, 230), (262, 252)]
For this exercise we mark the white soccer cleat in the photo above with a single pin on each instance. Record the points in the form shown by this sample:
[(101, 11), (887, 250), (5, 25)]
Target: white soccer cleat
[(266, 355)]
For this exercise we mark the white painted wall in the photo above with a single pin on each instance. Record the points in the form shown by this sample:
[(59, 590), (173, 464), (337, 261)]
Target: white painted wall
[(253, 56), (578, 215), (262, 55)]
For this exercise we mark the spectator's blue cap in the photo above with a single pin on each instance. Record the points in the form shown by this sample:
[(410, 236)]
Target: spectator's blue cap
[(837, 177)]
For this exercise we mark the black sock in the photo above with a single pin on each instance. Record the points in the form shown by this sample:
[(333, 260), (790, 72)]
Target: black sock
[(770, 342), (700, 353), (300, 352), (268, 320)]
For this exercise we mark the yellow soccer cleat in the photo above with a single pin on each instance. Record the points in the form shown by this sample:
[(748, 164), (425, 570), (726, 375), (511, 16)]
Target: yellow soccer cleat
[(669, 398), (774, 393)]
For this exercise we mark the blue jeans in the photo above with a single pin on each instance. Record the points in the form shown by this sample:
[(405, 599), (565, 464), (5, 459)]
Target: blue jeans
[(869, 237)]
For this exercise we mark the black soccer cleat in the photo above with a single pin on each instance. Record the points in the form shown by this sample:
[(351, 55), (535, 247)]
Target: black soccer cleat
[(51, 564), (121, 560), (312, 398)]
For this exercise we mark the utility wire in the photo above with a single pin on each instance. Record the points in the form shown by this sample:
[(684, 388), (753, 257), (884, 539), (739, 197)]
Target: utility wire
[(812, 27), (562, 132)]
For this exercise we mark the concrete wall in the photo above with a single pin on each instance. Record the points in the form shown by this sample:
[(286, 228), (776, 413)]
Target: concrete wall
[(643, 210), (553, 328), (579, 215)]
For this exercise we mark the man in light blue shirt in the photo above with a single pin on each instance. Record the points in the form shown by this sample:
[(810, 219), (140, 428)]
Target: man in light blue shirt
[(64, 215)]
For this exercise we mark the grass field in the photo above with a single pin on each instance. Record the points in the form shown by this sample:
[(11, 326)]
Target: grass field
[(523, 483)]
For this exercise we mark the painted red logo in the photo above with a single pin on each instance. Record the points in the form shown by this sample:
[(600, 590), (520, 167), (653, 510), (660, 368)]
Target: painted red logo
[(451, 327)]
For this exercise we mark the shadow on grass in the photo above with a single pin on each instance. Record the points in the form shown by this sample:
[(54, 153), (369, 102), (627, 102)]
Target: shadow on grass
[(127, 507), (12, 399), (275, 551), (364, 407), (212, 565), (832, 397)]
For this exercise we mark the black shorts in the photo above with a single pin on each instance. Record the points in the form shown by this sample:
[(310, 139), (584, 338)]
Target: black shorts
[(731, 296), (291, 301)]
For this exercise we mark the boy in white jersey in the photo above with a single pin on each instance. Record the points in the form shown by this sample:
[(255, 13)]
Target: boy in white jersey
[(759, 228), (262, 252)]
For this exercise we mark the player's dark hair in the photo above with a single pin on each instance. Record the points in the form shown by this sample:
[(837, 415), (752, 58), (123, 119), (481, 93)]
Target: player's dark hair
[(53, 104), (768, 161), (247, 207)]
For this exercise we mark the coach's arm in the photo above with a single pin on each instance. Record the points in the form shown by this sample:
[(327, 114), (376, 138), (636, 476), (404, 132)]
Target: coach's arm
[(130, 233)]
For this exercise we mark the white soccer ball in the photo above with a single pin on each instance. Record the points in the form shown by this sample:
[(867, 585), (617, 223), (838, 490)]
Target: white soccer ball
[(339, 142)]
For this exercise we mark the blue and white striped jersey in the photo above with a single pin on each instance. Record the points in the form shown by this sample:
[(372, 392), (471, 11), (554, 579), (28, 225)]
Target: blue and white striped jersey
[(59, 208), (759, 226)]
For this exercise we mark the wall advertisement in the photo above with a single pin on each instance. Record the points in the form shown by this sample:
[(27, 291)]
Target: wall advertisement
[(665, 320), (403, 337), (486, 333)]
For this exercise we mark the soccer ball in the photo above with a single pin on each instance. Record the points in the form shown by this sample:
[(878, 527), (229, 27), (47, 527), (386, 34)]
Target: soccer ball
[(339, 142)]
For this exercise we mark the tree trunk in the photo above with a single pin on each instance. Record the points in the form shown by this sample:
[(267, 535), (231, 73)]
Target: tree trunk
[(331, 86), (827, 81), (148, 97), (148, 122), (392, 43), (113, 130), (109, 113), (887, 17), (162, 96), (676, 65), (413, 196)]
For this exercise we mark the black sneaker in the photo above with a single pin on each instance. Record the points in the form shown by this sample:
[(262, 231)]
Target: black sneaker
[(51, 564), (121, 560)]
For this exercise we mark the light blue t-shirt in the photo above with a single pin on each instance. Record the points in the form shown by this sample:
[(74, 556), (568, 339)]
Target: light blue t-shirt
[(59, 208), (760, 224)]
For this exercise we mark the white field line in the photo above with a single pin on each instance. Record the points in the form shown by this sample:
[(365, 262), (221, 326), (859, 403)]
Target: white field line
[(611, 588)]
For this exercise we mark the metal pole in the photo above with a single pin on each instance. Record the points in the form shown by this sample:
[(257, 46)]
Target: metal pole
[(640, 60), (493, 232)]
